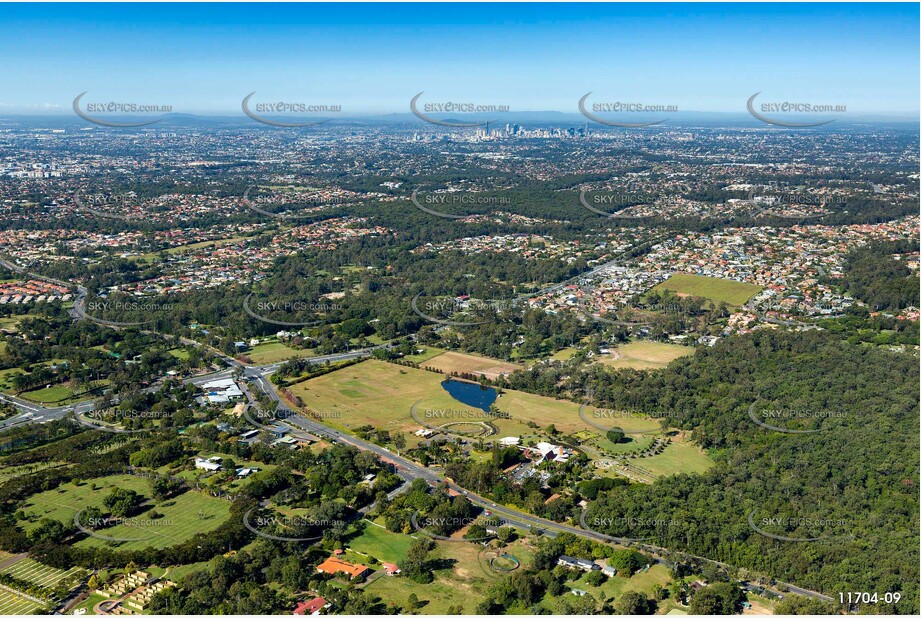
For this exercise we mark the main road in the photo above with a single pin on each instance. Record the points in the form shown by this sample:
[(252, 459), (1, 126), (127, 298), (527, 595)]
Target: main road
[(408, 469)]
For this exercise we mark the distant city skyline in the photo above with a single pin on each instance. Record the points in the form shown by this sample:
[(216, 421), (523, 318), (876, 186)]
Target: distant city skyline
[(372, 59)]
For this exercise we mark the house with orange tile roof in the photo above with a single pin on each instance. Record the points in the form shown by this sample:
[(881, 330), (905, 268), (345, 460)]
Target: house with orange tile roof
[(333, 565)]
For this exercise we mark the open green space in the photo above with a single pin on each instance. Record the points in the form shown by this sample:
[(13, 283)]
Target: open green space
[(382, 395), (460, 363), (644, 355), (181, 517), (90, 602), (179, 353), (52, 394), (630, 442), (379, 542), (374, 339), (427, 354), (681, 454), (718, 290), (6, 378), (463, 582), (616, 586), (11, 322), (176, 573), (275, 352), (41, 574), (564, 354), (14, 604)]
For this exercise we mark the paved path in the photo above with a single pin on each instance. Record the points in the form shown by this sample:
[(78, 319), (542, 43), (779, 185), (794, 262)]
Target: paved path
[(15, 558)]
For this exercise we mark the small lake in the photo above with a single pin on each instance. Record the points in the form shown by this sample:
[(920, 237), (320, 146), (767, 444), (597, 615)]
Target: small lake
[(471, 394)]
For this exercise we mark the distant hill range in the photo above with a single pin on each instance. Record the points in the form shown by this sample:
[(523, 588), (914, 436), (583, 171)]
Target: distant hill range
[(526, 120)]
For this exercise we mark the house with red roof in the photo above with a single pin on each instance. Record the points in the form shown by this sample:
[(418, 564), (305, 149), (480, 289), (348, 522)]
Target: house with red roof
[(311, 607), (390, 569)]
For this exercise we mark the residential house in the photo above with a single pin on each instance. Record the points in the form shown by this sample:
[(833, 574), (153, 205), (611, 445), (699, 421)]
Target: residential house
[(311, 607), (390, 569), (577, 563), (212, 464), (332, 565)]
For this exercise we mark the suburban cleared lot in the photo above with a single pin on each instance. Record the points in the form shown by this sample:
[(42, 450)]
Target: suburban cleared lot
[(457, 362), (274, 352), (644, 355), (718, 290)]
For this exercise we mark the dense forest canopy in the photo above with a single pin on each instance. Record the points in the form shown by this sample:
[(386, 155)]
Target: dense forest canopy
[(847, 483)]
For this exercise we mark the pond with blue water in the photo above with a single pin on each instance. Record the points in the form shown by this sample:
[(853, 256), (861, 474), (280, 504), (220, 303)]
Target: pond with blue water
[(472, 394)]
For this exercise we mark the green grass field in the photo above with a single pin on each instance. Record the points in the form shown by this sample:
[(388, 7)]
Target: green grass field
[(718, 290), (90, 602), (617, 586), (52, 394), (11, 322), (631, 442), (379, 542), (41, 574), (681, 455), (274, 352), (463, 583), (564, 354), (644, 355), (182, 517), (180, 353), (382, 395), (13, 604), (6, 378), (374, 339), (176, 573), (426, 355)]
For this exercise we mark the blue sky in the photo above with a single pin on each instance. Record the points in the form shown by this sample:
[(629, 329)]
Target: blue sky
[(369, 58)]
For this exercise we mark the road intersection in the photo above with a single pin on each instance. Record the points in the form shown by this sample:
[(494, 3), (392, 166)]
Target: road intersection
[(406, 468)]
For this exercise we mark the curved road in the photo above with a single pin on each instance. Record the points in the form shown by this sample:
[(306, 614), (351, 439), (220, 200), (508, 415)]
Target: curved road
[(408, 469)]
